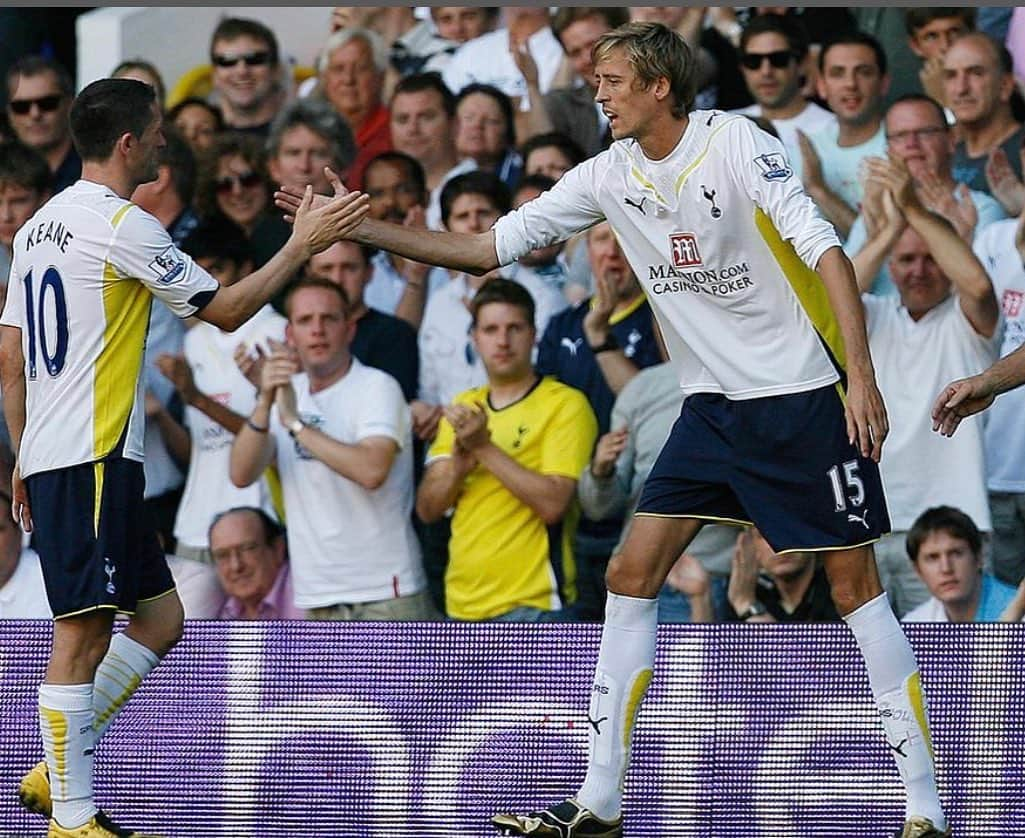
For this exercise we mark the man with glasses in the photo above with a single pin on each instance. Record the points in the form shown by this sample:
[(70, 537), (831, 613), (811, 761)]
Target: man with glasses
[(917, 134), (248, 551), (773, 49), (39, 93), (244, 55)]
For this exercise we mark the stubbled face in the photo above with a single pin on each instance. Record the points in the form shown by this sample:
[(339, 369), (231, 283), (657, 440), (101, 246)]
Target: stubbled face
[(45, 126), (851, 83), (144, 160), (392, 192), (480, 128), (352, 83), (937, 36), (344, 265), (608, 262), (241, 193), (949, 568), (301, 159), (578, 40), (16, 207), (919, 280), (460, 23), (772, 87), (917, 134), (628, 105), (197, 126), (246, 85), (975, 84), (247, 566), (504, 340), (421, 128)]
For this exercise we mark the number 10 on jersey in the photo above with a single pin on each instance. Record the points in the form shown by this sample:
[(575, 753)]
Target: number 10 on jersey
[(35, 321)]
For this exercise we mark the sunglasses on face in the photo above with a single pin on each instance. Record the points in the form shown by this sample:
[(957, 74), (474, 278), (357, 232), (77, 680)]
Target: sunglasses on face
[(251, 59), (47, 104), (778, 59), (247, 180)]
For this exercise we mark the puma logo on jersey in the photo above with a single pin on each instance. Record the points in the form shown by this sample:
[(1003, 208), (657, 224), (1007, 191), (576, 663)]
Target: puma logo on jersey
[(637, 206), (572, 345), (859, 519)]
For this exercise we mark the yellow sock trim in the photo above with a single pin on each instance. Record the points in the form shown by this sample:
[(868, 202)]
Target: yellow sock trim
[(633, 704), (58, 725), (917, 698)]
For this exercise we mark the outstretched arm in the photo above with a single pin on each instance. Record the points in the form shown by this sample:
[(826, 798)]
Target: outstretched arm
[(473, 253)]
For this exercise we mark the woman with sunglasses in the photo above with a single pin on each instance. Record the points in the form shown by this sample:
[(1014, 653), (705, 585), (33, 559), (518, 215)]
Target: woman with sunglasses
[(233, 182)]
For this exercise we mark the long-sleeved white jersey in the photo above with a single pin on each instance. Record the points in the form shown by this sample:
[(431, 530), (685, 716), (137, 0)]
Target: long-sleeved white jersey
[(724, 241)]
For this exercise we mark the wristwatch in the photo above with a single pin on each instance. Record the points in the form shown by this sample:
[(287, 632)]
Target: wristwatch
[(755, 609), (294, 427)]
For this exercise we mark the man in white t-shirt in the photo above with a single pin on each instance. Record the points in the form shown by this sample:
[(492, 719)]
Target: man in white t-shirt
[(772, 52), (85, 269), (339, 434), (943, 325), (740, 270), (217, 396), (853, 81)]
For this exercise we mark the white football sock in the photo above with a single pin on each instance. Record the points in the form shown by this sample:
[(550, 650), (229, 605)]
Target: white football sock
[(118, 676), (66, 724), (625, 662), (897, 689)]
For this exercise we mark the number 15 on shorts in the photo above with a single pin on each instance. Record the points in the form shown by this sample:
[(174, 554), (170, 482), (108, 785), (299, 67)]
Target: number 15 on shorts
[(848, 488)]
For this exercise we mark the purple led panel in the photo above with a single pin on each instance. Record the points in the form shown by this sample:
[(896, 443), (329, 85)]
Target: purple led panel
[(369, 729)]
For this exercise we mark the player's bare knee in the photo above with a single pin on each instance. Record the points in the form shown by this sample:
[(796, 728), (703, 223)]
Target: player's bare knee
[(629, 577)]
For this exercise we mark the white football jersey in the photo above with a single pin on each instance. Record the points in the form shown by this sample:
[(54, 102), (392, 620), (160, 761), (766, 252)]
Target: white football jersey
[(724, 241), (83, 270)]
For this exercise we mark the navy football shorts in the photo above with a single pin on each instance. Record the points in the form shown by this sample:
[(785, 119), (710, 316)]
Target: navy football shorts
[(95, 538), (783, 463)]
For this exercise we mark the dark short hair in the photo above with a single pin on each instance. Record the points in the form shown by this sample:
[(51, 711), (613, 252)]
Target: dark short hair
[(918, 16), (557, 140), (272, 530), (946, 519), (504, 105), (178, 157), (36, 65), (414, 171), (503, 291), (926, 100), (315, 282), (419, 82), (196, 101), (107, 110), (25, 167), (367, 251), (218, 238), (566, 16), (855, 39), (786, 25), (231, 28), (476, 182)]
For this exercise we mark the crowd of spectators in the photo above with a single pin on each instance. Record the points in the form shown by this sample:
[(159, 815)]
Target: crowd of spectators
[(471, 447)]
